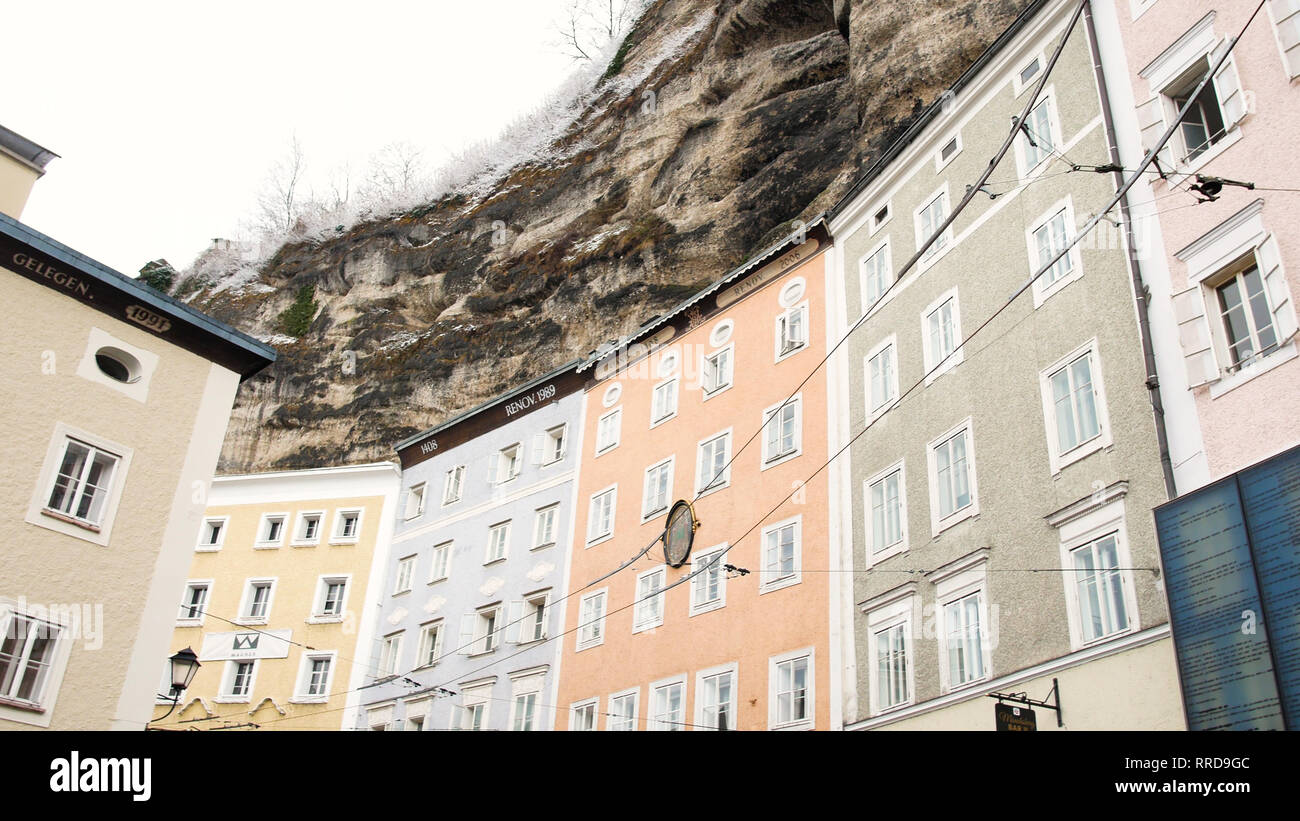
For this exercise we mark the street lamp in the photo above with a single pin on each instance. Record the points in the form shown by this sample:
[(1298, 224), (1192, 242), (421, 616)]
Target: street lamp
[(184, 665)]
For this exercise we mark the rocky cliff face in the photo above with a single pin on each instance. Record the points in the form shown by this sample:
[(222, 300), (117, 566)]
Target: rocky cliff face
[(724, 123)]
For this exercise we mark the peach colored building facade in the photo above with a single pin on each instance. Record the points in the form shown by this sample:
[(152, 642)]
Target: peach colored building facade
[(1222, 274), (720, 649)]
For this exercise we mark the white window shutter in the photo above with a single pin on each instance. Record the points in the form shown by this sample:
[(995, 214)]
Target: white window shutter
[(1227, 85), (465, 645), (1286, 24), (1194, 334), (1151, 122), (500, 623), (544, 616), (1279, 294), (564, 440), (512, 621), (494, 464), (539, 448)]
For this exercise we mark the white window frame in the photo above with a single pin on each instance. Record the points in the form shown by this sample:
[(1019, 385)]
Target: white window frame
[(593, 536), (527, 619), (415, 500), (725, 477), (38, 711), (782, 321), (698, 560), (227, 695), (616, 426), (721, 387), (653, 721), (263, 525), (486, 635), (577, 707), (300, 525), (935, 366), (498, 542), (318, 614), (730, 669), (1084, 524), (211, 547), (555, 444), (246, 602), (521, 687), (76, 494), (1058, 459), (1042, 292), (427, 655), (874, 557), (648, 609), (770, 460), (1026, 169), (300, 690), (473, 698), (876, 225), (340, 519), (507, 468), (888, 613), (954, 582), (1018, 83), (946, 240), (38, 511), (404, 578), (865, 274), (937, 524), (809, 721), (548, 516), (769, 582), (390, 654), (654, 401), (1285, 16), (647, 512), (441, 556), (941, 162), (196, 621), (874, 411), (453, 485), (633, 693), (593, 634)]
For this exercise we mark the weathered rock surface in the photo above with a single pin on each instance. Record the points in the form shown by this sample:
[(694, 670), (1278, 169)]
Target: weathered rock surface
[(765, 115)]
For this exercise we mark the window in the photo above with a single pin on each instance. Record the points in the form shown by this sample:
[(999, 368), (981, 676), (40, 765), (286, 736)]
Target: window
[(505, 465), (889, 636), (453, 484), (611, 395), (415, 501), (941, 334), (1249, 327), (330, 598), (256, 608), (600, 521), (314, 677), (1037, 140), (1099, 589), (474, 716), (238, 683), (882, 376), (1286, 27), (347, 527), (928, 219), (886, 508), (782, 437), (591, 620), (668, 705), (194, 605), (1047, 238), (715, 698), (480, 631), (714, 470), (83, 483), (716, 373), (649, 610), (544, 527), (658, 489), (430, 644), (473, 712), (524, 691), (881, 217), (271, 531), (527, 618), (417, 715), (607, 430), (781, 559), (1074, 407), (379, 719), (552, 444), (498, 541), (405, 569), (964, 638), (390, 654), (30, 664), (791, 331), (709, 588), (622, 711), (721, 332), (791, 691), (663, 403), (441, 562), (877, 272), (952, 478), (947, 151), (1100, 596), (582, 716), (212, 534), (1027, 73)]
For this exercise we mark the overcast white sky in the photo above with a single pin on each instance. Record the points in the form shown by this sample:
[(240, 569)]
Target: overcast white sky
[(168, 115)]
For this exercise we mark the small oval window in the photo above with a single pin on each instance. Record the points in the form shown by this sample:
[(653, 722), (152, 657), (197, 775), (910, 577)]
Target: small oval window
[(721, 333), (792, 293), (612, 393), (117, 364), (668, 363)]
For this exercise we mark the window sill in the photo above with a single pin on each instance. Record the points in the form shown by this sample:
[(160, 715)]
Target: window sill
[(312, 543), (1049, 291), (1080, 452), (779, 584), (1258, 368), (781, 357), (343, 542), (657, 422), (706, 395), (700, 494), (966, 685), (888, 552), (401, 592), (607, 449), (707, 608), (653, 514), (893, 708), (590, 646), (778, 460), (647, 628), (555, 461), (449, 502), (599, 539), (802, 724), (491, 562), (189, 622), (246, 621), (207, 548), (1185, 170), (324, 620), (232, 700), (309, 700), (953, 360), (63, 517), (542, 546), (954, 519), (439, 579), (267, 545), (25, 706)]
